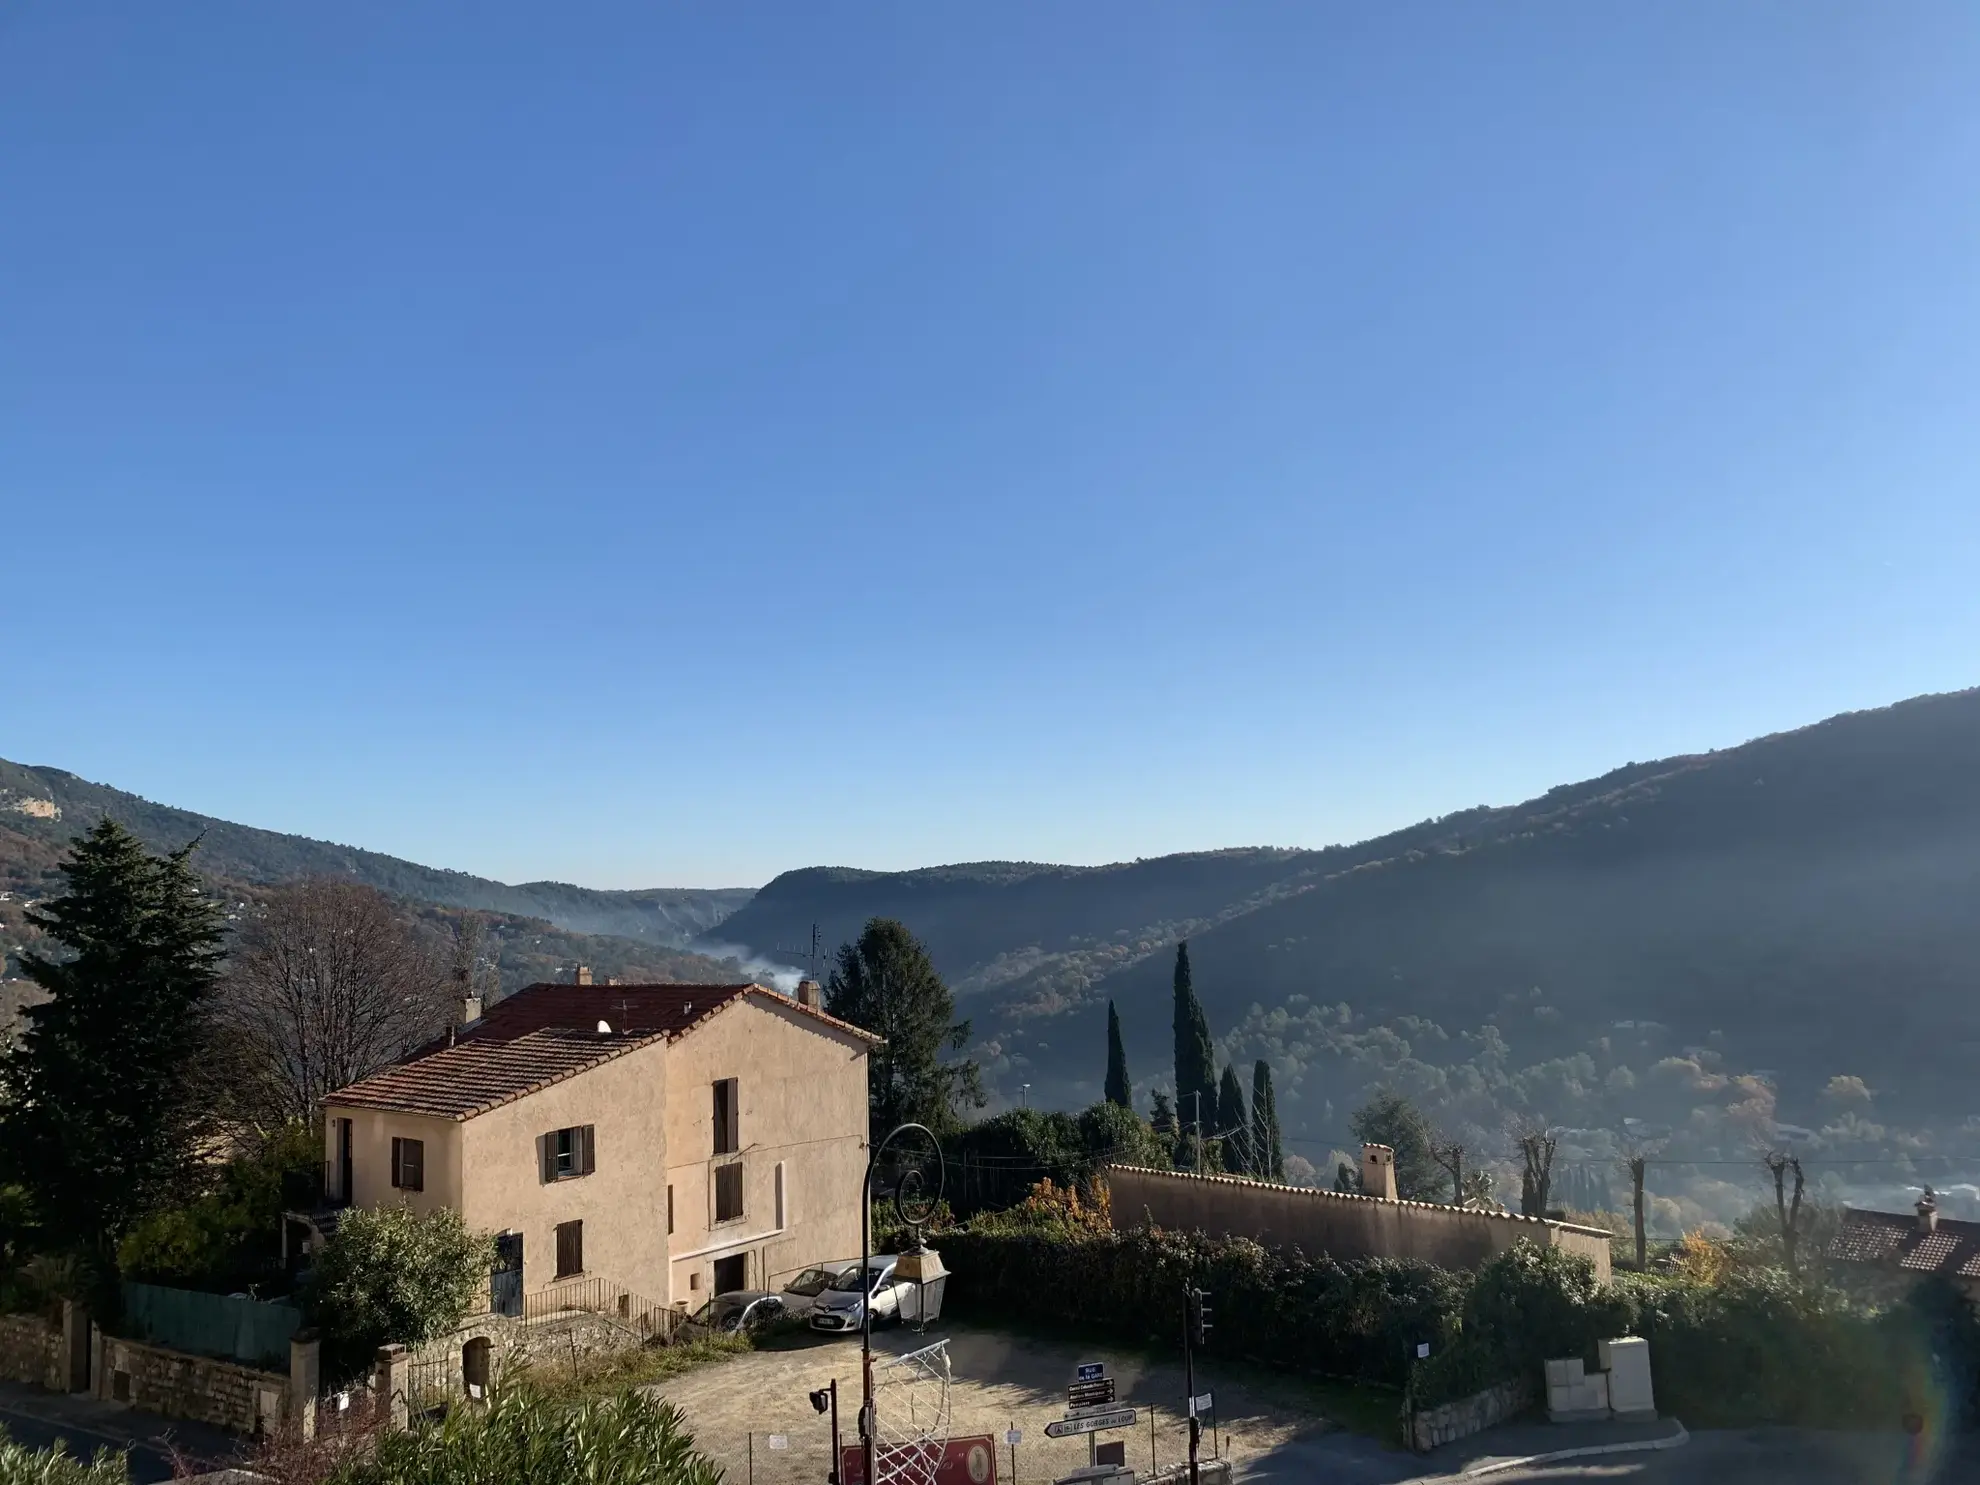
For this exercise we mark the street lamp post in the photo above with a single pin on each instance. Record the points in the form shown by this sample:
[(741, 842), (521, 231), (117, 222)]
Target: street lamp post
[(915, 1204)]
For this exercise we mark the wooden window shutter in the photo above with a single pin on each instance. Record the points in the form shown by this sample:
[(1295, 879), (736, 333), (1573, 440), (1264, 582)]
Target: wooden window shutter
[(546, 1153), (587, 1150), (398, 1155), (416, 1149)]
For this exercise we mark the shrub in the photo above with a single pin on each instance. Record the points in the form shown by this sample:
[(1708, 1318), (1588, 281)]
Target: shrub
[(393, 1274), (523, 1436), (229, 1238), (23, 1466)]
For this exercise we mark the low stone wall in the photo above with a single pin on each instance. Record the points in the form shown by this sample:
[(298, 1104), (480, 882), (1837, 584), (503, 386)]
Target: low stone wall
[(176, 1385), (31, 1351), (566, 1339), (1469, 1415)]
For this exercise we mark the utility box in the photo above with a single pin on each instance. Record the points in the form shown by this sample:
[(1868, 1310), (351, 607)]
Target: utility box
[(1627, 1362)]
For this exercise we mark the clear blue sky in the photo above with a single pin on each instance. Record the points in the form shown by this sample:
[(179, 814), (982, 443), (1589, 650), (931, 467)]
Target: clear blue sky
[(670, 444)]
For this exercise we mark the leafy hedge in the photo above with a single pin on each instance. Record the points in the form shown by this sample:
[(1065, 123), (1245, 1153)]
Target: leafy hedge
[(1360, 1319), (1755, 1348)]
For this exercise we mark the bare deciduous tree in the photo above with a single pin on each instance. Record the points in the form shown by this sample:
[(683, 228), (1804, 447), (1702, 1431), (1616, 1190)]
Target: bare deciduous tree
[(1536, 1151), (1779, 1164), (1450, 1155), (327, 985)]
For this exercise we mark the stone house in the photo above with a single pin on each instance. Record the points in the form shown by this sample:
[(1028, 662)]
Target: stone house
[(1892, 1249), (1372, 1223), (673, 1141)]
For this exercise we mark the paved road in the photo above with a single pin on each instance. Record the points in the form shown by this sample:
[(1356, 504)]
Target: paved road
[(1731, 1457), (37, 1419)]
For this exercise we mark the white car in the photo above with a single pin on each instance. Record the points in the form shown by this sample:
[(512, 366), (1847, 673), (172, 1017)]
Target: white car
[(842, 1306)]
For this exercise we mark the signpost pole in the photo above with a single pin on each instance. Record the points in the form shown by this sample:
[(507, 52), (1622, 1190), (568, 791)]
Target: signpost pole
[(1189, 1377)]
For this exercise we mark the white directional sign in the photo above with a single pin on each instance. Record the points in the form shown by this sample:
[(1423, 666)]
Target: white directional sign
[(1061, 1428)]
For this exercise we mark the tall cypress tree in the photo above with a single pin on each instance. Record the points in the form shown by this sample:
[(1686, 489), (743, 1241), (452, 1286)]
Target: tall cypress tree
[(104, 1110), (1196, 1069), (1232, 1124), (1267, 1154), (1119, 1090)]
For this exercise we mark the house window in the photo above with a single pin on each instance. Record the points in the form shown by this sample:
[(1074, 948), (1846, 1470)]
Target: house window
[(729, 1192), (569, 1153), (780, 1196), (570, 1249), (728, 1118), (670, 1211), (408, 1164)]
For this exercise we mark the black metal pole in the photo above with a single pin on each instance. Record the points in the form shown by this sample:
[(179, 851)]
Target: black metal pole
[(832, 1478), (866, 1277), (1189, 1377)]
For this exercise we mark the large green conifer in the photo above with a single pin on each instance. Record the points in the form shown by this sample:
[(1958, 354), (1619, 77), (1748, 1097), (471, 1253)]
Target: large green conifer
[(1196, 1070), (106, 1098), (1119, 1090), (1232, 1124), (1267, 1153), (886, 983)]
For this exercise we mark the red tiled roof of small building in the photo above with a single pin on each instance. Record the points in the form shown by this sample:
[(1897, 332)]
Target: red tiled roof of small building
[(545, 1033), (1895, 1240)]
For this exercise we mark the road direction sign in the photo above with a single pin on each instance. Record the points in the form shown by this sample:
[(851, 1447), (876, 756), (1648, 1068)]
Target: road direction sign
[(1062, 1428)]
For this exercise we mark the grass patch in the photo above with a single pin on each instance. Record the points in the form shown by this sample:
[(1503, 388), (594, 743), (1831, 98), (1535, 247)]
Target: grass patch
[(601, 1376)]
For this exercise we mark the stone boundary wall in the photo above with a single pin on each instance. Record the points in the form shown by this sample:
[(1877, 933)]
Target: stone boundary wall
[(1469, 1415), (177, 1385), (1335, 1223), (31, 1351), (548, 1342)]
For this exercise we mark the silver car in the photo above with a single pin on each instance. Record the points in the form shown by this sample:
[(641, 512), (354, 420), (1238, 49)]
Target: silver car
[(801, 1294), (842, 1306)]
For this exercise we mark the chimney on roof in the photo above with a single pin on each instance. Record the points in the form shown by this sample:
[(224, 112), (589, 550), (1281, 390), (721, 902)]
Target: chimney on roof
[(1378, 1172), (582, 976), (1928, 1211), (470, 1009), (809, 994)]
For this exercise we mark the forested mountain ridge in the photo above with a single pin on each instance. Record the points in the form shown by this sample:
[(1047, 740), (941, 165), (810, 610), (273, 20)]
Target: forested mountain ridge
[(41, 809)]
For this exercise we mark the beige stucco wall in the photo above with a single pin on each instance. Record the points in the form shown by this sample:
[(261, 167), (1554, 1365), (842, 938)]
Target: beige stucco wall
[(802, 1089), (1339, 1225), (372, 1132), (622, 1203)]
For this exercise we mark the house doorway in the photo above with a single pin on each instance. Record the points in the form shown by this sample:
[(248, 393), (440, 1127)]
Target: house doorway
[(731, 1274), (505, 1281)]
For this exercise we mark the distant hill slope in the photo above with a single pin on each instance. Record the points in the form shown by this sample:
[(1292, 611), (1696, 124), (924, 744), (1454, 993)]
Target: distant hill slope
[(1807, 904), (43, 808)]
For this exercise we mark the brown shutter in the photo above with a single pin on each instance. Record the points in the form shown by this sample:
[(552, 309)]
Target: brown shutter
[(397, 1155), (415, 1165), (587, 1150), (546, 1155)]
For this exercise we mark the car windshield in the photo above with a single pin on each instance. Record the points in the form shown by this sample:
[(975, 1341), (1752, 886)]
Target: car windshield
[(715, 1312), (848, 1282), (812, 1281)]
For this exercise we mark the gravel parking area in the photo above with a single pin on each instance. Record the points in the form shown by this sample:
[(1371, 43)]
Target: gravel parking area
[(999, 1381)]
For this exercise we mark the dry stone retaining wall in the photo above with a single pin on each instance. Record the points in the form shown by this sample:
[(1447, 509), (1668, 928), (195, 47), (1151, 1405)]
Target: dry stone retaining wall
[(177, 1385), (1469, 1415), (31, 1352)]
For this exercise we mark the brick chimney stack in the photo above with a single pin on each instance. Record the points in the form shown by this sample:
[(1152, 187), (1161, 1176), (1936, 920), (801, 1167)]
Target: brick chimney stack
[(809, 994), (1928, 1211), (1378, 1172), (583, 975)]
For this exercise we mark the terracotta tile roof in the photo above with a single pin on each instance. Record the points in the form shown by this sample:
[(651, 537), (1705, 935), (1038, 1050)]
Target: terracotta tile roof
[(479, 1073), (1893, 1240), (545, 1033)]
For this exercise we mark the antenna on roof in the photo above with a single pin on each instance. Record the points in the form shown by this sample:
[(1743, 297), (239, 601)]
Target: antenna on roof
[(809, 956)]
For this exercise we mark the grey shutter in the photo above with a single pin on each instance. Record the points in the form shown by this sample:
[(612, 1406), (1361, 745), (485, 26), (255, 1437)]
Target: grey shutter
[(415, 1161), (546, 1156), (587, 1150)]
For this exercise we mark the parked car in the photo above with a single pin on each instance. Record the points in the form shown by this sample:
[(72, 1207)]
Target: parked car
[(801, 1294), (733, 1313), (841, 1306)]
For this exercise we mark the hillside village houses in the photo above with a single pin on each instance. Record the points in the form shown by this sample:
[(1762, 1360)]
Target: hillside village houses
[(672, 1141)]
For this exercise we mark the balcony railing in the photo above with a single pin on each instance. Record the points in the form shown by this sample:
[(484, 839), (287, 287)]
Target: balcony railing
[(646, 1318)]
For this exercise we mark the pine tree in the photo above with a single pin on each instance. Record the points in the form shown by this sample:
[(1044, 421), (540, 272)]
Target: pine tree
[(1232, 1124), (886, 983), (1268, 1155), (1119, 1090), (104, 1109), (1196, 1069)]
